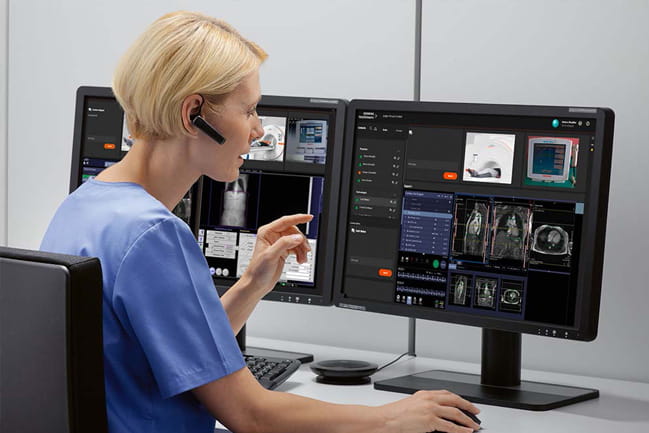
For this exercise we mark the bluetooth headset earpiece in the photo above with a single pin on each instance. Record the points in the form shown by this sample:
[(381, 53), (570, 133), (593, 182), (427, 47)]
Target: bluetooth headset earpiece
[(202, 124)]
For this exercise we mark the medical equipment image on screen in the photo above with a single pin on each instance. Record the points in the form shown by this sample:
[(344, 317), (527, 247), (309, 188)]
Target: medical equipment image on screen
[(489, 157), (307, 141), (270, 147), (552, 161)]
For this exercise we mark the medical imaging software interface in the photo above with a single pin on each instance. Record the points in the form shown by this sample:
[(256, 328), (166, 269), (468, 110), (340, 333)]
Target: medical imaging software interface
[(475, 214), (105, 140), (283, 174), (105, 137)]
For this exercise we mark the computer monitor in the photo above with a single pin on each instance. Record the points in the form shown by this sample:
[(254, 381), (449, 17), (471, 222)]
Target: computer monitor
[(293, 168), (491, 216), (101, 138)]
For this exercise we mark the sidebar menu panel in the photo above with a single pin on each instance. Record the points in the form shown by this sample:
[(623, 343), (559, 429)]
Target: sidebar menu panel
[(375, 213)]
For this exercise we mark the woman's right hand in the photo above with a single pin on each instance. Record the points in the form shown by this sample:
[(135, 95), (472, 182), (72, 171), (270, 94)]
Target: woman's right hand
[(275, 241), (427, 411)]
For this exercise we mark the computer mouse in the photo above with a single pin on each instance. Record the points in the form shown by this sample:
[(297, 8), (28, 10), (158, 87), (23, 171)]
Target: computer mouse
[(467, 413)]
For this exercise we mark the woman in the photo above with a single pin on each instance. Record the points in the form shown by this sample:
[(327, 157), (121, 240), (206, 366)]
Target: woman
[(171, 361)]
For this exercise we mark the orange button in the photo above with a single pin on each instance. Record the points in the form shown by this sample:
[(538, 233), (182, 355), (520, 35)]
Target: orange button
[(385, 272), (109, 146), (450, 175)]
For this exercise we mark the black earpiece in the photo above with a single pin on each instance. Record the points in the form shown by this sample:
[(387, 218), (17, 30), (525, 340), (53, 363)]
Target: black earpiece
[(202, 124), (208, 129)]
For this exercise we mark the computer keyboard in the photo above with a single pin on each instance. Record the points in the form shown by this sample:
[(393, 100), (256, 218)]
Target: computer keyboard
[(271, 372)]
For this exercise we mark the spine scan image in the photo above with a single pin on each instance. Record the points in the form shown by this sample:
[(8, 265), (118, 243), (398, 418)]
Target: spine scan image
[(460, 290), (235, 198), (476, 229)]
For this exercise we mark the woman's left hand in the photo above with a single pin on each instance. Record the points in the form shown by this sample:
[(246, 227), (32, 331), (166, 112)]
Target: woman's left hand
[(275, 241)]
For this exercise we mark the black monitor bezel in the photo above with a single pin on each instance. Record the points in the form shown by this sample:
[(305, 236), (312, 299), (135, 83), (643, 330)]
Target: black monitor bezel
[(83, 92), (589, 283), (327, 243)]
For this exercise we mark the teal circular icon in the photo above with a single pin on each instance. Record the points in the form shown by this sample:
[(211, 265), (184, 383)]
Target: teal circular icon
[(555, 123)]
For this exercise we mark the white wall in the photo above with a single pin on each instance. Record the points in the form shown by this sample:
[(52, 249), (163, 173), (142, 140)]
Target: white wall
[(4, 30), (337, 48), (562, 52), (363, 49), (333, 49)]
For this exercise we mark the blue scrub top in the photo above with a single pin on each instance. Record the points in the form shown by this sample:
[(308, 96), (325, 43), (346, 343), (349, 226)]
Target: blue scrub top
[(165, 330)]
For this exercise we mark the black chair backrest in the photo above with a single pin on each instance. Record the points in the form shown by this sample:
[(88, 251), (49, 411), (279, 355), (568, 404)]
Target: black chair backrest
[(51, 351)]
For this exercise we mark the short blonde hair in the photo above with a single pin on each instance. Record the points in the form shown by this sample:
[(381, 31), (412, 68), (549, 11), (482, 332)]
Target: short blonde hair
[(180, 54)]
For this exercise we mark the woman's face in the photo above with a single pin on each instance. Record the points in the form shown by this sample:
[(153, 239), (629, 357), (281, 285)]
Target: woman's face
[(236, 119)]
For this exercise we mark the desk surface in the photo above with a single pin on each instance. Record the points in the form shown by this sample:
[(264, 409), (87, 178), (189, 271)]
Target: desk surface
[(622, 406)]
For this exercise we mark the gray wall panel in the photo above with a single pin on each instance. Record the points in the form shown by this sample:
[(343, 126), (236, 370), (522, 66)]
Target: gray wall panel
[(359, 49), (560, 52)]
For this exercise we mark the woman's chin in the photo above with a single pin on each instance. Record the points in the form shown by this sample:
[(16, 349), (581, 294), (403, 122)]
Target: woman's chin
[(225, 177)]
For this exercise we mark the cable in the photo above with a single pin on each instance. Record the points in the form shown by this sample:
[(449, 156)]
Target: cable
[(393, 361)]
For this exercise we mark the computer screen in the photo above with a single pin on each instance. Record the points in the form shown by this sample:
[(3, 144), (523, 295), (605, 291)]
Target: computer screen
[(293, 168), (101, 138), (485, 215)]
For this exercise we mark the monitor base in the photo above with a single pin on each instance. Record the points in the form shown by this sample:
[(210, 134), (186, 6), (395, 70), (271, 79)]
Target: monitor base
[(534, 396)]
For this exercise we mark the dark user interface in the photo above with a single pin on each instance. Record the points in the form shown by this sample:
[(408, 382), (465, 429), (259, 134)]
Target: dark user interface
[(284, 173), (233, 212), (105, 140), (475, 214)]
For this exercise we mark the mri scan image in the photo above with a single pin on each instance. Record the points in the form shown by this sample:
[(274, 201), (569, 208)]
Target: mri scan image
[(460, 290), (485, 292), (511, 227), (475, 231), (511, 296), (551, 240)]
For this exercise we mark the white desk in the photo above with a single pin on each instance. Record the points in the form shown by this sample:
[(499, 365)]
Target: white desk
[(622, 406)]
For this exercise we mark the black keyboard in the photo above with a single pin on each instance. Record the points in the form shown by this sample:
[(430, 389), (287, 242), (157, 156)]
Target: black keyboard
[(271, 372)]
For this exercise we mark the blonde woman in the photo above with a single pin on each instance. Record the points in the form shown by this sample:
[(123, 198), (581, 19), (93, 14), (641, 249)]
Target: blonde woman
[(189, 87)]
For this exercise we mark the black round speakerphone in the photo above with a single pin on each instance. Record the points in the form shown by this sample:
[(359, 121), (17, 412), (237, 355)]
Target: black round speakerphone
[(344, 371)]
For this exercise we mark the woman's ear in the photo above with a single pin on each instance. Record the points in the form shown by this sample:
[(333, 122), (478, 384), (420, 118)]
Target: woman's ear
[(191, 105)]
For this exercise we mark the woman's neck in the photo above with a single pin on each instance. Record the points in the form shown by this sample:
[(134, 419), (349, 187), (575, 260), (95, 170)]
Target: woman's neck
[(161, 167)]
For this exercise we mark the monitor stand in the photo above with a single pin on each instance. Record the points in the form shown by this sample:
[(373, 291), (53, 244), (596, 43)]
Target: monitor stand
[(270, 353), (500, 382)]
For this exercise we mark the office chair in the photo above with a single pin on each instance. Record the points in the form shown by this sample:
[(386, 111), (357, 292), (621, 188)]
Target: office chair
[(51, 352)]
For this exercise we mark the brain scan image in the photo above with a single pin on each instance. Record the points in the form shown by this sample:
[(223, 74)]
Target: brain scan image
[(234, 202), (485, 292), (511, 230), (551, 240), (476, 231), (460, 288)]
